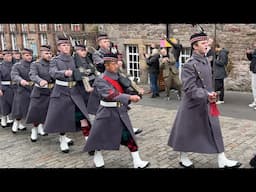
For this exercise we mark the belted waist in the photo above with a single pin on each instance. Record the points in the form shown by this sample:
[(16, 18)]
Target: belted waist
[(47, 86), (111, 103), (69, 84), (6, 82), (30, 83)]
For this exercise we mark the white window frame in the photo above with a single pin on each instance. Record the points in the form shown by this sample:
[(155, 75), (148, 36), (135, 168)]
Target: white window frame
[(1, 28), (3, 41), (25, 40), (184, 56), (24, 28), (131, 71), (75, 27), (14, 41), (58, 27), (43, 39), (12, 28), (43, 27)]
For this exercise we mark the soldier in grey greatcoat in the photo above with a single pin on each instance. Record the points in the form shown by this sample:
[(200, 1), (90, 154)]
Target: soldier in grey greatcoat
[(87, 70), (20, 76), (104, 48), (112, 125), (198, 105), (67, 111), (40, 96), (6, 88)]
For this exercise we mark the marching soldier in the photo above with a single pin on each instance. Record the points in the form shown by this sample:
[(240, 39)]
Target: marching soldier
[(40, 96), (15, 56), (87, 72), (198, 104), (104, 48), (112, 111), (6, 88), (67, 111), (20, 76)]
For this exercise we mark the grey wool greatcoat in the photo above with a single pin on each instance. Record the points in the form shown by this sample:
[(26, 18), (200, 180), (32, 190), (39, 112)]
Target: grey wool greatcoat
[(106, 131), (94, 97), (63, 100), (8, 90), (21, 98), (194, 128), (40, 97)]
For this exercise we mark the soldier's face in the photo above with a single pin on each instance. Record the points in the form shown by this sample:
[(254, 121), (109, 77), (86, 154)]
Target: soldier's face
[(112, 66), (104, 43), (27, 57), (47, 55), (81, 52), (65, 48), (16, 55), (201, 47), (7, 57)]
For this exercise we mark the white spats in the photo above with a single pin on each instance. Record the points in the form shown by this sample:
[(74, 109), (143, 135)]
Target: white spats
[(33, 135), (224, 162), (98, 159), (137, 162), (184, 160)]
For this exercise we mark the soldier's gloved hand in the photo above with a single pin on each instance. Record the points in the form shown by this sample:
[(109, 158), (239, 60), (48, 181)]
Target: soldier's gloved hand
[(134, 98), (43, 83), (68, 73), (24, 82)]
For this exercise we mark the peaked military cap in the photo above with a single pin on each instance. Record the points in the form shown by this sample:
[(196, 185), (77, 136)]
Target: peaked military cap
[(61, 39), (45, 48), (110, 57), (27, 51), (198, 37), (6, 51), (80, 47), (102, 36)]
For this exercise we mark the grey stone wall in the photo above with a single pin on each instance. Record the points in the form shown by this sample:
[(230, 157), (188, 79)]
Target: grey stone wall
[(235, 37)]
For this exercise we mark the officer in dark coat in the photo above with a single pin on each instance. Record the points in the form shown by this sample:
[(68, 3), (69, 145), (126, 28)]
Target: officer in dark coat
[(20, 76), (40, 96), (6, 88), (198, 105), (112, 125), (67, 111)]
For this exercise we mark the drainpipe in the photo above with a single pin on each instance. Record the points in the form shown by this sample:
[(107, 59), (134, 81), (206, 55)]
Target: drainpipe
[(167, 35)]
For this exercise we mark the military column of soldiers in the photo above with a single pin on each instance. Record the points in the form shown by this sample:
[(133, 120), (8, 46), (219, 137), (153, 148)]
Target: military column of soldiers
[(58, 95)]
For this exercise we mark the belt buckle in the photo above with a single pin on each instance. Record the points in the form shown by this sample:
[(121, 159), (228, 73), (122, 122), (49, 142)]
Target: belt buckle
[(30, 83), (50, 85), (118, 104), (70, 84)]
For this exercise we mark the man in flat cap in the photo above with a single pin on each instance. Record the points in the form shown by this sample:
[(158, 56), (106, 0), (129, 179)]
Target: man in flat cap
[(67, 111), (40, 96), (114, 101), (198, 104), (6, 88), (20, 76)]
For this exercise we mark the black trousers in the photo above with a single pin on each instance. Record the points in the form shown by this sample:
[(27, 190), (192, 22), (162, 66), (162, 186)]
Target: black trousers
[(219, 86)]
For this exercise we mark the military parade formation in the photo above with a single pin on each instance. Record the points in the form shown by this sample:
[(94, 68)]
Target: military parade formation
[(83, 89)]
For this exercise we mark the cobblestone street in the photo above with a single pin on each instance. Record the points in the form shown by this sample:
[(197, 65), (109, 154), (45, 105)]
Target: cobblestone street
[(17, 151)]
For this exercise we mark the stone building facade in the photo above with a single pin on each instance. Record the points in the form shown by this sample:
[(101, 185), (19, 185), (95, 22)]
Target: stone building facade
[(135, 39), (235, 37)]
